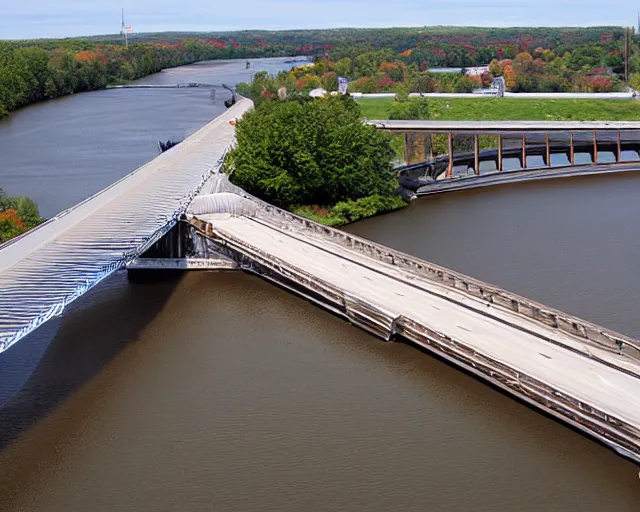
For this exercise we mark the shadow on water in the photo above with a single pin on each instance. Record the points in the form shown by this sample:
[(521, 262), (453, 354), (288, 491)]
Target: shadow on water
[(92, 332)]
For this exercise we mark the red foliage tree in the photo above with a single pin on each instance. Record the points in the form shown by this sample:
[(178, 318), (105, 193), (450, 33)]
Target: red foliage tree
[(384, 83)]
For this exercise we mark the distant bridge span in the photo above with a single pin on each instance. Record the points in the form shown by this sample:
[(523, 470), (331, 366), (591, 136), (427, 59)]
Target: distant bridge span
[(522, 151)]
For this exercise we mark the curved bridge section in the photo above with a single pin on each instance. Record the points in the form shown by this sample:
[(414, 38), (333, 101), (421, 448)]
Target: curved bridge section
[(482, 153), (49, 267)]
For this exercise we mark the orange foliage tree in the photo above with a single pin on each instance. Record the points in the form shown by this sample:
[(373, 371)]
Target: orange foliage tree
[(11, 225)]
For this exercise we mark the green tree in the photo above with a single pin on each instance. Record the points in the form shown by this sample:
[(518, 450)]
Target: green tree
[(414, 108), (343, 67), (6, 202), (634, 81), (465, 84), (310, 152), (27, 210), (495, 68)]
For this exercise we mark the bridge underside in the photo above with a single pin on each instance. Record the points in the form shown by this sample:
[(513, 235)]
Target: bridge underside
[(469, 181)]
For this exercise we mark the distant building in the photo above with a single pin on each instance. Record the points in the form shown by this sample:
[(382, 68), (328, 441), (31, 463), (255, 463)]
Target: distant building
[(477, 70)]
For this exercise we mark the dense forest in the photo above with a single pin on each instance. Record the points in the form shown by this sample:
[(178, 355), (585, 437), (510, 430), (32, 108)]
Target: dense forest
[(32, 71), (440, 46), (590, 68), (35, 70)]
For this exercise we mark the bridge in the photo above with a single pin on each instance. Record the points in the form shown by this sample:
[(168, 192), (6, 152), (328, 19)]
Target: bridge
[(482, 153), (47, 268), (180, 212)]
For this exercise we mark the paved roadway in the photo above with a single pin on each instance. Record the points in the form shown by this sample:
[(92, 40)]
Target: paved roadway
[(496, 127), (606, 388)]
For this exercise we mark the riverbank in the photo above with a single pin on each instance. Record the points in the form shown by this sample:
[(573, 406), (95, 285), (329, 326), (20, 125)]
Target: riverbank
[(37, 71), (511, 109)]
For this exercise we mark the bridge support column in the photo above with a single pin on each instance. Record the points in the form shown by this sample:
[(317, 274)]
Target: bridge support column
[(450, 151), (548, 159), (619, 148), (572, 152), (476, 154), (595, 147), (417, 147), (500, 152), (180, 240), (524, 150)]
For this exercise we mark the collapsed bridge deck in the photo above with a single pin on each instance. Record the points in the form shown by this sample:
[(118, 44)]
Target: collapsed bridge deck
[(587, 383)]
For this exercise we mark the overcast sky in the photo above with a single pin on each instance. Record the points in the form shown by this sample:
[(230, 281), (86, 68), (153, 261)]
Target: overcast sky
[(62, 18)]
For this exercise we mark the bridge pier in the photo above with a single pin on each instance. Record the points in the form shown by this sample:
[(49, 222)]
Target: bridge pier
[(618, 147), (182, 248), (476, 155), (417, 148), (548, 150)]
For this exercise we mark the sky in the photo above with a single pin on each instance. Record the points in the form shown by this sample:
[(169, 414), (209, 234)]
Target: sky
[(26, 19)]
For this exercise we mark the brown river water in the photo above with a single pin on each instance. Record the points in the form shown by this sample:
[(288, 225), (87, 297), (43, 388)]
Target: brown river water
[(219, 391)]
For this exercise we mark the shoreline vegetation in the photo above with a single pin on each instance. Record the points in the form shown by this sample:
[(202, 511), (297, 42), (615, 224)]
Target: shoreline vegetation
[(17, 215), (392, 59), (315, 158), (38, 70)]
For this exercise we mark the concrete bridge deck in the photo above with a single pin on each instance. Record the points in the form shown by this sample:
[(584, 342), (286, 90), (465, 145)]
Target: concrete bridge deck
[(578, 372), (44, 270)]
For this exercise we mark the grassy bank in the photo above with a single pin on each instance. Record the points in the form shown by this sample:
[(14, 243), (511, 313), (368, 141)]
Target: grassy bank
[(514, 109), (351, 211)]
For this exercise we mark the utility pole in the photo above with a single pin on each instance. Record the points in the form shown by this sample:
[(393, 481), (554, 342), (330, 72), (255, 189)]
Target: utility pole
[(123, 31), (626, 55)]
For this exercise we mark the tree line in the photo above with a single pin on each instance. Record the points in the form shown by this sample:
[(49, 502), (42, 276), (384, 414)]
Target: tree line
[(33, 71), (36, 70), (440, 46), (589, 68)]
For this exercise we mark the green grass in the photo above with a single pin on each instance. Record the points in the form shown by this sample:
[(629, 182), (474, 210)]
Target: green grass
[(346, 212), (513, 109)]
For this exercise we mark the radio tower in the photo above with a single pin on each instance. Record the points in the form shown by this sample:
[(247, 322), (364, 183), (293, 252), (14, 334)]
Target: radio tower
[(123, 30)]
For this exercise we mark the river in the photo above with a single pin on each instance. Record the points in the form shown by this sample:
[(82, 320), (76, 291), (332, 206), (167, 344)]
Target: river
[(219, 391)]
